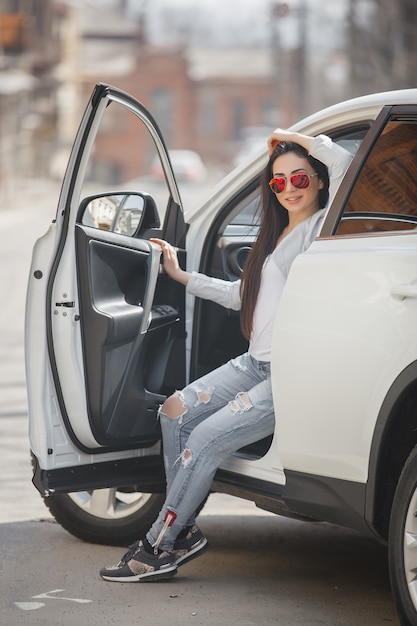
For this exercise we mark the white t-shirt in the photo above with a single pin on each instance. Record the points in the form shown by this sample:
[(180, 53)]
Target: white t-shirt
[(273, 279), (270, 291)]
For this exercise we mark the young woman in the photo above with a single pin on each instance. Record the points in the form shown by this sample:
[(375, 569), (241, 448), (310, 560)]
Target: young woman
[(232, 406)]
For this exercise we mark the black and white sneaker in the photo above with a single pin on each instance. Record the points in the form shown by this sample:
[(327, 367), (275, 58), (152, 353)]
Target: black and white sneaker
[(189, 547), (139, 565)]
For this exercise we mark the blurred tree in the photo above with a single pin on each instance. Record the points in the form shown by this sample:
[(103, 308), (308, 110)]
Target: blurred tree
[(382, 45), (408, 14)]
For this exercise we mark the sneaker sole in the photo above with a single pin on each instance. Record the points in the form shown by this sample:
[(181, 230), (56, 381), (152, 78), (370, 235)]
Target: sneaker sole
[(164, 574), (198, 549)]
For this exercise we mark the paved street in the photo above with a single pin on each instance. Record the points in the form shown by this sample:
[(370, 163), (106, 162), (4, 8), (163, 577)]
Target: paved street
[(260, 569)]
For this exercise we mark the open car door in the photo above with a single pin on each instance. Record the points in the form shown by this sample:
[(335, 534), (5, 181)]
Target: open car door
[(105, 340)]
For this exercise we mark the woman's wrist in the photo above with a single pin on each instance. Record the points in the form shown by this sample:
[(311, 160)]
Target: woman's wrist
[(303, 140), (181, 276)]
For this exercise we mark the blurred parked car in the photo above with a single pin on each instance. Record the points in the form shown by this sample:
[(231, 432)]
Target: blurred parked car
[(187, 166), (109, 336)]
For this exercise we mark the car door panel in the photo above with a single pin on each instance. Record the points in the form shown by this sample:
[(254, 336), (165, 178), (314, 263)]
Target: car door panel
[(116, 283), (113, 324)]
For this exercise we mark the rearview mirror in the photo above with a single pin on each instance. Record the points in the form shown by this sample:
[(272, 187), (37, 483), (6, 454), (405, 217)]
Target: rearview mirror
[(126, 213)]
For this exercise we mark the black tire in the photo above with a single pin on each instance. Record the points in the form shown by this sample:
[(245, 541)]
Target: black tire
[(115, 517), (402, 541)]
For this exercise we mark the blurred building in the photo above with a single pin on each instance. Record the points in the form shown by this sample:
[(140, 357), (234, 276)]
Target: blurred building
[(29, 51), (202, 99)]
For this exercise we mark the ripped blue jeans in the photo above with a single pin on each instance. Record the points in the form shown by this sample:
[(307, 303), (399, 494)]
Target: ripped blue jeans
[(202, 425)]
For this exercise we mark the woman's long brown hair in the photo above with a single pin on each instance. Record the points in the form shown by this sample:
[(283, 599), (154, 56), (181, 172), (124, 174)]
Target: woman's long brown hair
[(274, 218)]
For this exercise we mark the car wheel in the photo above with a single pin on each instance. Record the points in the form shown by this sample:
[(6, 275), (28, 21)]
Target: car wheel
[(108, 516), (403, 543)]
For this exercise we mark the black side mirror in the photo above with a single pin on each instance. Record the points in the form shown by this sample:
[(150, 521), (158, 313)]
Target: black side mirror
[(127, 212)]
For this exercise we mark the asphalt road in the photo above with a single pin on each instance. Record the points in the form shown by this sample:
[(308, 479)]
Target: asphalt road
[(260, 569)]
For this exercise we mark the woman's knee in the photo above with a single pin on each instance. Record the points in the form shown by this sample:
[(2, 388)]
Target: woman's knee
[(175, 407)]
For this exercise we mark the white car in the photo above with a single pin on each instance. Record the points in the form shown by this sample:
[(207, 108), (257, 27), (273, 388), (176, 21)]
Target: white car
[(109, 336)]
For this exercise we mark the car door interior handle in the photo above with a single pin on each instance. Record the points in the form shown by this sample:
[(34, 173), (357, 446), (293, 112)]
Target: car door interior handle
[(404, 291)]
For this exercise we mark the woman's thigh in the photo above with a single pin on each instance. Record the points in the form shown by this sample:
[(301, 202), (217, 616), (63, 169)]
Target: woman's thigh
[(214, 390), (219, 393), (244, 419)]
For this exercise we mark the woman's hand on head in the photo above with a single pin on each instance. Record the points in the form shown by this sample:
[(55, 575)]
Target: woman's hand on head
[(170, 261), (279, 134), (276, 137)]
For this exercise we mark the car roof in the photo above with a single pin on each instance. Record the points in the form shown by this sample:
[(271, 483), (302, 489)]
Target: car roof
[(355, 109)]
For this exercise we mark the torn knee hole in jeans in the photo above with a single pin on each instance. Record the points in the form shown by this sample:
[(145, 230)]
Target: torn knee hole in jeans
[(174, 407), (241, 403)]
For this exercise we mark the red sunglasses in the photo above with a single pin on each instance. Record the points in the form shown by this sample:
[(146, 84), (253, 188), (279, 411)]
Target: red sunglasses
[(299, 181)]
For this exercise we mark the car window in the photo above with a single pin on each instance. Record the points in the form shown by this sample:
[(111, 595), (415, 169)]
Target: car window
[(350, 139), (121, 159), (384, 196), (246, 220)]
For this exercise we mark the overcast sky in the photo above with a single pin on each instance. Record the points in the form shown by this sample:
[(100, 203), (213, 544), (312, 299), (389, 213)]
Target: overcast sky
[(238, 22)]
